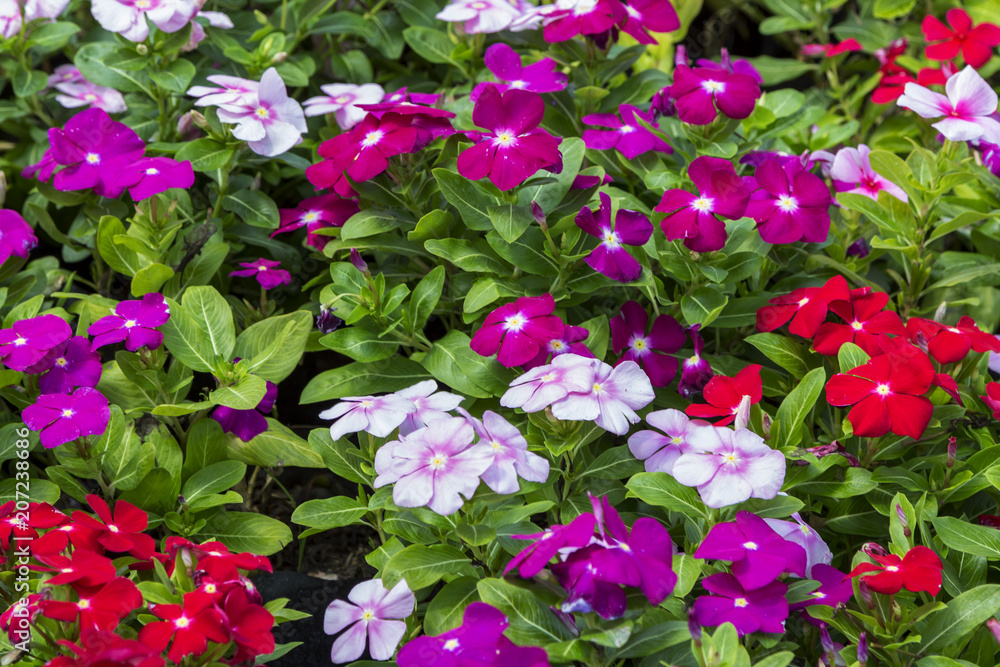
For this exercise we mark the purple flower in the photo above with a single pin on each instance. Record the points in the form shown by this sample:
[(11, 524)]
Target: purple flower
[(478, 642), (835, 588), (695, 370), (697, 92), (509, 452), (791, 204), (316, 213), (43, 168), (720, 192), (270, 122), (610, 257), (544, 385), (94, 149), (342, 100), (87, 94), (655, 15), (969, 108), (326, 321), (62, 418), (661, 451), (858, 249), (430, 405), (266, 272), (133, 322), (150, 176), (729, 467), (612, 398), (545, 545), (68, 73), (16, 236), (991, 157), (566, 19), (570, 342), (70, 364), (758, 554), (434, 466), (247, 424), (377, 415), (128, 17), (28, 341), (479, 16), (515, 147), (626, 134), (516, 332), (228, 90), (505, 64), (369, 618), (653, 350), (403, 96), (798, 531), (852, 172), (763, 609)]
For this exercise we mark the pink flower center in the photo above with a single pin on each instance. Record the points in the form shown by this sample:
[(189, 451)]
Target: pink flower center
[(882, 390), (787, 203), (703, 204), (372, 138), (711, 86), (90, 97)]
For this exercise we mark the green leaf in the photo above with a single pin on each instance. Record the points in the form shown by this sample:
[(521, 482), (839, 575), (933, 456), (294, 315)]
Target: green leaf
[(968, 538), (511, 221), (360, 379), (28, 82), (447, 607), (893, 9), (215, 478), (477, 535), (614, 463), (423, 566), (341, 457), (850, 357), (453, 362), (964, 614), (247, 531), (246, 394), (796, 406), (532, 623), (654, 639), (274, 346), (277, 446), (327, 513), (703, 306), (425, 297), (150, 278), (120, 258), (785, 352), (52, 36), (118, 67), (779, 70), (432, 45), (127, 463), (201, 330), (472, 203), (467, 255), (205, 155), (662, 490), (360, 344), (176, 78), (370, 222), (156, 493), (253, 207)]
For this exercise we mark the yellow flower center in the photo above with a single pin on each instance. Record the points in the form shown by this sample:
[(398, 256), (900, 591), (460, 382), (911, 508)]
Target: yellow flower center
[(703, 204), (740, 602), (93, 158)]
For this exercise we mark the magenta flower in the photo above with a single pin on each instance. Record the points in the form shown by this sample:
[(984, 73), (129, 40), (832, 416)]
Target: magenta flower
[(569, 18), (133, 322), (228, 90), (128, 17), (378, 415), (729, 467), (730, 66), (653, 350), (610, 257), (316, 213), (655, 15), (612, 398), (969, 108), (247, 424), (505, 64), (62, 418), (545, 545), (660, 451), (27, 342), (516, 332), (763, 609), (266, 272), (272, 122), (835, 588), (483, 16), (720, 193), (791, 204), (626, 133), (570, 342), (150, 176), (16, 236), (479, 641), (369, 617), (758, 554), (70, 364), (515, 147), (798, 531), (342, 100), (544, 385), (852, 172), (509, 451), (402, 96), (697, 92), (87, 94), (94, 149), (434, 466), (431, 405), (695, 370)]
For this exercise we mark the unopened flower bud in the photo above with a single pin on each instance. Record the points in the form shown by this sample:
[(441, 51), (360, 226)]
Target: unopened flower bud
[(941, 311), (952, 451), (742, 414), (539, 215), (859, 249), (901, 515), (199, 119), (863, 649), (873, 549), (3, 188), (866, 594), (279, 57), (680, 56), (994, 627), (694, 628), (257, 180), (825, 640), (358, 263), (765, 423), (142, 49)]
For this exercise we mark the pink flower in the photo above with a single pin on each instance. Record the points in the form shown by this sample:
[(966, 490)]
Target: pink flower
[(696, 372), (404, 96), (247, 424), (70, 364), (16, 236), (342, 100), (214, 19), (93, 149), (505, 64), (515, 148), (725, 64), (431, 405), (509, 451), (655, 15), (613, 396), (629, 330), (150, 176), (128, 17), (852, 172), (697, 92), (134, 322), (27, 342), (266, 272), (659, 451), (62, 418), (66, 74), (798, 531), (720, 192), (791, 204), (272, 122), (758, 554), (627, 135), (228, 90), (516, 332), (545, 545), (764, 609), (968, 107), (569, 18), (483, 16), (831, 50), (369, 617), (87, 94), (544, 385), (378, 415), (610, 257), (434, 466), (316, 213)]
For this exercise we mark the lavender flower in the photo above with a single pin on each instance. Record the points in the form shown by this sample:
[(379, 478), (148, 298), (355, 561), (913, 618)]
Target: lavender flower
[(269, 121), (128, 17), (798, 531), (479, 16), (378, 415), (87, 94), (544, 385), (509, 449), (342, 100), (430, 405), (969, 109), (611, 399), (659, 451), (369, 617)]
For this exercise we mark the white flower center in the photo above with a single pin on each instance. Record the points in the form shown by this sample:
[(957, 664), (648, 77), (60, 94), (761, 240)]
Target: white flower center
[(515, 322), (261, 267), (452, 644), (182, 622), (113, 528), (547, 378), (740, 602), (90, 97), (83, 604), (882, 390), (892, 568), (787, 203), (152, 171), (496, 445), (505, 138), (626, 129), (93, 158), (263, 113), (803, 301), (68, 413), (713, 86), (372, 138), (130, 323), (518, 84), (677, 440), (20, 340), (750, 546), (598, 388), (311, 216), (368, 615), (703, 204), (611, 240), (438, 461), (342, 99)]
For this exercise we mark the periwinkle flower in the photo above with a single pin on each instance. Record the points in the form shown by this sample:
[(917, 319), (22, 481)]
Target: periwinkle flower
[(87, 94), (373, 614), (969, 108), (150, 176), (660, 451), (651, 347), (852, 172), (316, 213), (70, 364), (615, 393), (758, 554), (698, 92), (791, 204), (430, 403), (128, 17), (16, 236), (626, 134), (94, 150), (764, 609), (271, 122), (544, 385), (378, 415), (693, 218), (342, 100), (695, 370), (509, 449), (516, 332), (505, 64)]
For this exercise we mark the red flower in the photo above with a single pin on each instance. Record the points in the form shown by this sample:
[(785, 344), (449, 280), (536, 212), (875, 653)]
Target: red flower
[(950, 344), (887, 393), (894, 78), (975, 42), (84, 567), (100, 607), (724, 395), (831, 50), (249, 624), (190, 626), (992, 398), (866, 323), (23, 524), (918, 570), (206, 554), (56, 541), (948, 384), (805, 307), (928, 76), (97, 648), (121, 532)]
